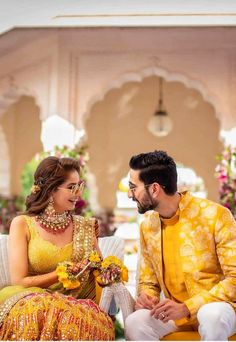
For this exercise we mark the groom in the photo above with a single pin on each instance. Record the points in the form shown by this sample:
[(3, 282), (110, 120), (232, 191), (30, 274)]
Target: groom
[(188, 251)]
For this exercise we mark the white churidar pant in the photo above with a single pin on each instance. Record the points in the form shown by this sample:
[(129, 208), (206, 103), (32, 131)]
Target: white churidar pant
[(217, 322)]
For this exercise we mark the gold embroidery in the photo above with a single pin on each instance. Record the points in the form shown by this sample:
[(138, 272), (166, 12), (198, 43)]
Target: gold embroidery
[(83, 237), (9, 303)]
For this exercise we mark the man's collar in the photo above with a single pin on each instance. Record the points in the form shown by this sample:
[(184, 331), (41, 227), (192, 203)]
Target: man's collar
[(185, 199)]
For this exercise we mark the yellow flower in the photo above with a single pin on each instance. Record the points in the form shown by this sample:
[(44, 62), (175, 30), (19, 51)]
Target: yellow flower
[(96, 273), (94, 257), (124, 273), (111, 260), (60, 268), (35, 189), (99, 281), (61, 272), (62, 277), (70, 284)]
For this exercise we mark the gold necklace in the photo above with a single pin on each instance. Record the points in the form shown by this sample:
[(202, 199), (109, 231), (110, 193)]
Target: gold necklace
[(52, 221)]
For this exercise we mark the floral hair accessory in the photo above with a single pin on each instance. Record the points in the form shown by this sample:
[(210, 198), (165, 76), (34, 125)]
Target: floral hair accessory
[(35, 189), (106, 272)]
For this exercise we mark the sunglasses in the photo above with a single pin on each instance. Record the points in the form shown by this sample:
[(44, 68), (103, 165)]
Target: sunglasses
[(76, 188)]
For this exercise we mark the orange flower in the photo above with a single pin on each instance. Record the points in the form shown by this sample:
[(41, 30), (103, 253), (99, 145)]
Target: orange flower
[(124, 273), (96, 273)]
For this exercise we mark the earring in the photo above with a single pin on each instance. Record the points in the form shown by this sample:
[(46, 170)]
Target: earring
[(49, 210)]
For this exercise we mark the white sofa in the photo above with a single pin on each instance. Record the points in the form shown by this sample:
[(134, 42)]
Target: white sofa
[(109, 246), (112, 245), (4, 267)]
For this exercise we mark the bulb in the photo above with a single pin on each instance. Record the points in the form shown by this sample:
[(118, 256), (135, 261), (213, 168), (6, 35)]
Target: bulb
[(160, 125)]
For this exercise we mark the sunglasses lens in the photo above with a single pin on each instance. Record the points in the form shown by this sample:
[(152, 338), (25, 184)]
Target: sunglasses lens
[(81, 187), (78, 189)]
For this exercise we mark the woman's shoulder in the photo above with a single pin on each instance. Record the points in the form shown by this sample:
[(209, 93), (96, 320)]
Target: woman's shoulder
[(20, 219), (20, 223)]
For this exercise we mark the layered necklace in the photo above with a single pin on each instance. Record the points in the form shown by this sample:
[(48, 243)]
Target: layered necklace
[(52, 221)]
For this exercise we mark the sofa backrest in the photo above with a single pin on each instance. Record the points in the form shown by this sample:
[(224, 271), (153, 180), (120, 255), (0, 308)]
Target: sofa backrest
[(4, 265), (111, 245)]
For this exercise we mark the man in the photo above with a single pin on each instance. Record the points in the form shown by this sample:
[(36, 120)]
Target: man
[(188, 250)]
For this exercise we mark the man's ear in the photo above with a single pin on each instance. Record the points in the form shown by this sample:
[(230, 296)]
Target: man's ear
[(156, 189)]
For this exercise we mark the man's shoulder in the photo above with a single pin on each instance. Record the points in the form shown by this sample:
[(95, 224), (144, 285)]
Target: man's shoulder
[(208, 208), (204, 203), (151, 220)]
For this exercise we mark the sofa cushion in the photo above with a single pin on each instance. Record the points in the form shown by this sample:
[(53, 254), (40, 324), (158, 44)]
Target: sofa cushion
[(4, 264)]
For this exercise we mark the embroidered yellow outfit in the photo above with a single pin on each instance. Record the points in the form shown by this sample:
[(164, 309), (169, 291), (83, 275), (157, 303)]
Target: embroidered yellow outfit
[(173, 274), (205, 237), (54, 314)]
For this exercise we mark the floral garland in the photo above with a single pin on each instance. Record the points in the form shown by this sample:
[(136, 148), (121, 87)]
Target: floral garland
[(226, 175), (106, 272)]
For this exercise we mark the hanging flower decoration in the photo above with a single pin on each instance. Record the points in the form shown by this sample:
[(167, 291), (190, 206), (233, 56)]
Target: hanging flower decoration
[(226, 175), (106, 272)]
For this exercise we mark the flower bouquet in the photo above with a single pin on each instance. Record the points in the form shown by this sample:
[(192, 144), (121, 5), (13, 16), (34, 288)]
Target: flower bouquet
[(108, 271), (71, 274), (111, 270)]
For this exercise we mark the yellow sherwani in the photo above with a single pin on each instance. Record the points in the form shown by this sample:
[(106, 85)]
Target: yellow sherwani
[(207, 250), (172, 270)]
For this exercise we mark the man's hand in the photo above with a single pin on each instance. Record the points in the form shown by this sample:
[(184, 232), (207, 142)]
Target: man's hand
[(145, 301), (169, 310)]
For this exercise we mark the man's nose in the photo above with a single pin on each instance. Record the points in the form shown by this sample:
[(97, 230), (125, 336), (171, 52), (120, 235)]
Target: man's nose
[(130, 194)]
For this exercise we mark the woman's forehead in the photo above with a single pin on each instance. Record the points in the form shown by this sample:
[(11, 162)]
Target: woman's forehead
[(73, 177)]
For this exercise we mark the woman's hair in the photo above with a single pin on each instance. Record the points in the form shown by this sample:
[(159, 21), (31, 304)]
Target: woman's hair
[(49, 175)]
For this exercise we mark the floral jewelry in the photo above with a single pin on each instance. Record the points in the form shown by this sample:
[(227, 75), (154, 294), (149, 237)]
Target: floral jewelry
[(35, 189), (110, 270), (53, 222)]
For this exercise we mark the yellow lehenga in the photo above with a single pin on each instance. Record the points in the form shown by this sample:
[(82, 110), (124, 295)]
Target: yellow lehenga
[(53, 313)]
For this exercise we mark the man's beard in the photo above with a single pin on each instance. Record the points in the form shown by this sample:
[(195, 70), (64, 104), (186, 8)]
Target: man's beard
[(142, 208), (148, 204)]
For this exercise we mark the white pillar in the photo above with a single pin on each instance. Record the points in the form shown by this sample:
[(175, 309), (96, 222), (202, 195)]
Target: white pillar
[(4, 165)]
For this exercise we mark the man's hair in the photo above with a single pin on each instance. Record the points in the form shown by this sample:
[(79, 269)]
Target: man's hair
[(156, 167)]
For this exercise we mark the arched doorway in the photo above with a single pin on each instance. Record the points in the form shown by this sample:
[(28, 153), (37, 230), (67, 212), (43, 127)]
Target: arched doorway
[(22, 128), (117, 128)]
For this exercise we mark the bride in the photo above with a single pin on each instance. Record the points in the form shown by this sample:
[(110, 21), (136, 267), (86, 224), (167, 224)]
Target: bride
[(36, 306)]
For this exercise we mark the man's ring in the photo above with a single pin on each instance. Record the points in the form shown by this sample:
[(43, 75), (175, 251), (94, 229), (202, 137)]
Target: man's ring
[(162, 315)]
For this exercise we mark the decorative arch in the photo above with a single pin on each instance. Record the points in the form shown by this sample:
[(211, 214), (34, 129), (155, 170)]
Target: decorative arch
[(207, 97), (24, 129), (12, 93), (4, 165), (160, 72)]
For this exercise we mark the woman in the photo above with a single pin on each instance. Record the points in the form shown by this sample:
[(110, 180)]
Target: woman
[(36, 307)]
